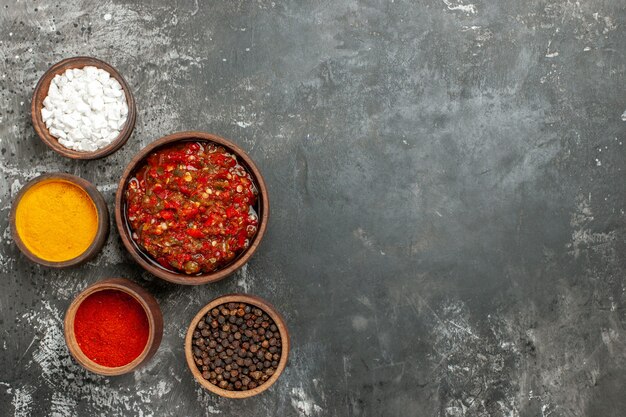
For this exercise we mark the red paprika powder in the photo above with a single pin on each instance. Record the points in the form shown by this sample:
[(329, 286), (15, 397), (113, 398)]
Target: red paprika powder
[(111, 328)]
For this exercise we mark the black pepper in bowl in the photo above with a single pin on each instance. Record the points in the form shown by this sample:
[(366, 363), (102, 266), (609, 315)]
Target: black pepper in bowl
[(236, 346)]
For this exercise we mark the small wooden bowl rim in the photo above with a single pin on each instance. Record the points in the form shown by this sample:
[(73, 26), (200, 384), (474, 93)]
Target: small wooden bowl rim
[(144, 298), (181, 278), (248, 299), (41, 91), (101, 209)]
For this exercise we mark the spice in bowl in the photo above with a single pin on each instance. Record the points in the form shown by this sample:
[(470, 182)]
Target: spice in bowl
[(190, 207), (236, 346), (111, 328), (56, 220), (85, 108)]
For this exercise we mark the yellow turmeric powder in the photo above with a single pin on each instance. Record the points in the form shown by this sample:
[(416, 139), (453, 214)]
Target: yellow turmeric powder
[(56, 220)]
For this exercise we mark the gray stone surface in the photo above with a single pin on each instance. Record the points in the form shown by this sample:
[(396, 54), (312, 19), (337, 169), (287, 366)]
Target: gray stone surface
[(447, 185)]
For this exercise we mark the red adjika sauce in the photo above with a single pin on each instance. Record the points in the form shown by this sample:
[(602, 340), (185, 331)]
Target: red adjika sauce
[(191, 207)]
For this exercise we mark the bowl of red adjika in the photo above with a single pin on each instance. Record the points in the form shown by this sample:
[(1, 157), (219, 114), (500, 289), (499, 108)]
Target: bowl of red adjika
[(191, 208)]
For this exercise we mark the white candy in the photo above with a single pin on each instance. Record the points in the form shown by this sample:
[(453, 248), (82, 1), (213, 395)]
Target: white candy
[(54, 92), (68, 120), (85, 109), (86, 131), (77, 134), (95, 88), (58, 133), (113, 114), (45, 114), (59, 80), (97, 103), (115, 85), (90, 71), (104, 76), (98, 121), (82, 107)]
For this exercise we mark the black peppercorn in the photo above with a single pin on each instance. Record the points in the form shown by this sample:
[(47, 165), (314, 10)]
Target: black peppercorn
[(241, 352)]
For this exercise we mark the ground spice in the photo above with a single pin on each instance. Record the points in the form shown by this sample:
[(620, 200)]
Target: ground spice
[(56, 220), (111, 328)]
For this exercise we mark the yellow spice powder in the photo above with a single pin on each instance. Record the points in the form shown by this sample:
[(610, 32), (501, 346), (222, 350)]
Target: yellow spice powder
[(56, 220)]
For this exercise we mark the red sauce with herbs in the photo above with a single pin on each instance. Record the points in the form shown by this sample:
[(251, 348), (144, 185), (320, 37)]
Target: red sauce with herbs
[(191, 207)]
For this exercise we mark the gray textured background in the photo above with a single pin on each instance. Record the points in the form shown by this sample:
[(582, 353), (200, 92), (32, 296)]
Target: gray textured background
[(447, 185)]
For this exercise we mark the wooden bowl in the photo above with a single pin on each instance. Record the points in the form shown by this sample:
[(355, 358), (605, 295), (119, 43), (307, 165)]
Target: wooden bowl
[(41, 92), (145, 260), (150, 306), (103, 220), (248, 299)]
